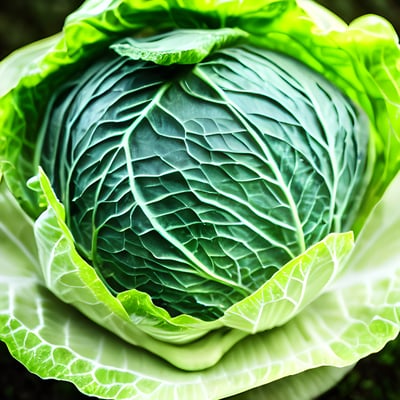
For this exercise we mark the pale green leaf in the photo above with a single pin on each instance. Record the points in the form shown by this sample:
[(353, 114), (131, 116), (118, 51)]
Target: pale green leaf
[(293, 287), (179, 46)]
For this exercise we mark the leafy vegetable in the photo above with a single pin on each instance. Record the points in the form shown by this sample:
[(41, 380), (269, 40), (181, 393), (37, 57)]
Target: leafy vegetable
[(217, 114), (254, 158)]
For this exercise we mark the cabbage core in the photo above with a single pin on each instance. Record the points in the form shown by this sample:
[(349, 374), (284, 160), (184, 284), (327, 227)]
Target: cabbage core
[(196, 183)]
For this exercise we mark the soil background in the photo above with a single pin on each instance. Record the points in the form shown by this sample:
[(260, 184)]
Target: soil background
[(24, 21)]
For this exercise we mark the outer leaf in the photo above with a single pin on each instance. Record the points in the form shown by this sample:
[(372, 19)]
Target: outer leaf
[(336, 330), (218, 12), (178, 47), (13, 69), (293, 287), (18, 63)]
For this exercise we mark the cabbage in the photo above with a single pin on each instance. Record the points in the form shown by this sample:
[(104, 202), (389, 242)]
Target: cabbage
[(206, 196), (246, 171)]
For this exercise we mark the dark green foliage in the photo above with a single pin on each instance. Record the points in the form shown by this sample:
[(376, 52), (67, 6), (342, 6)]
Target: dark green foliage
[(196, 183)]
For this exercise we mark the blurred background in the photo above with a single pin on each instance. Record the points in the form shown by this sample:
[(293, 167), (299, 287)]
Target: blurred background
[(24, 21)]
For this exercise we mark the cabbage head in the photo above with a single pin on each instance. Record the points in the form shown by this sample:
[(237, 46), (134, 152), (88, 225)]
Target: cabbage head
[(199, 198)]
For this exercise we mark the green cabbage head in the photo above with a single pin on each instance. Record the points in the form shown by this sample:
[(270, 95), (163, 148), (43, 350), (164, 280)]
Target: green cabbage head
[(199, 199)]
